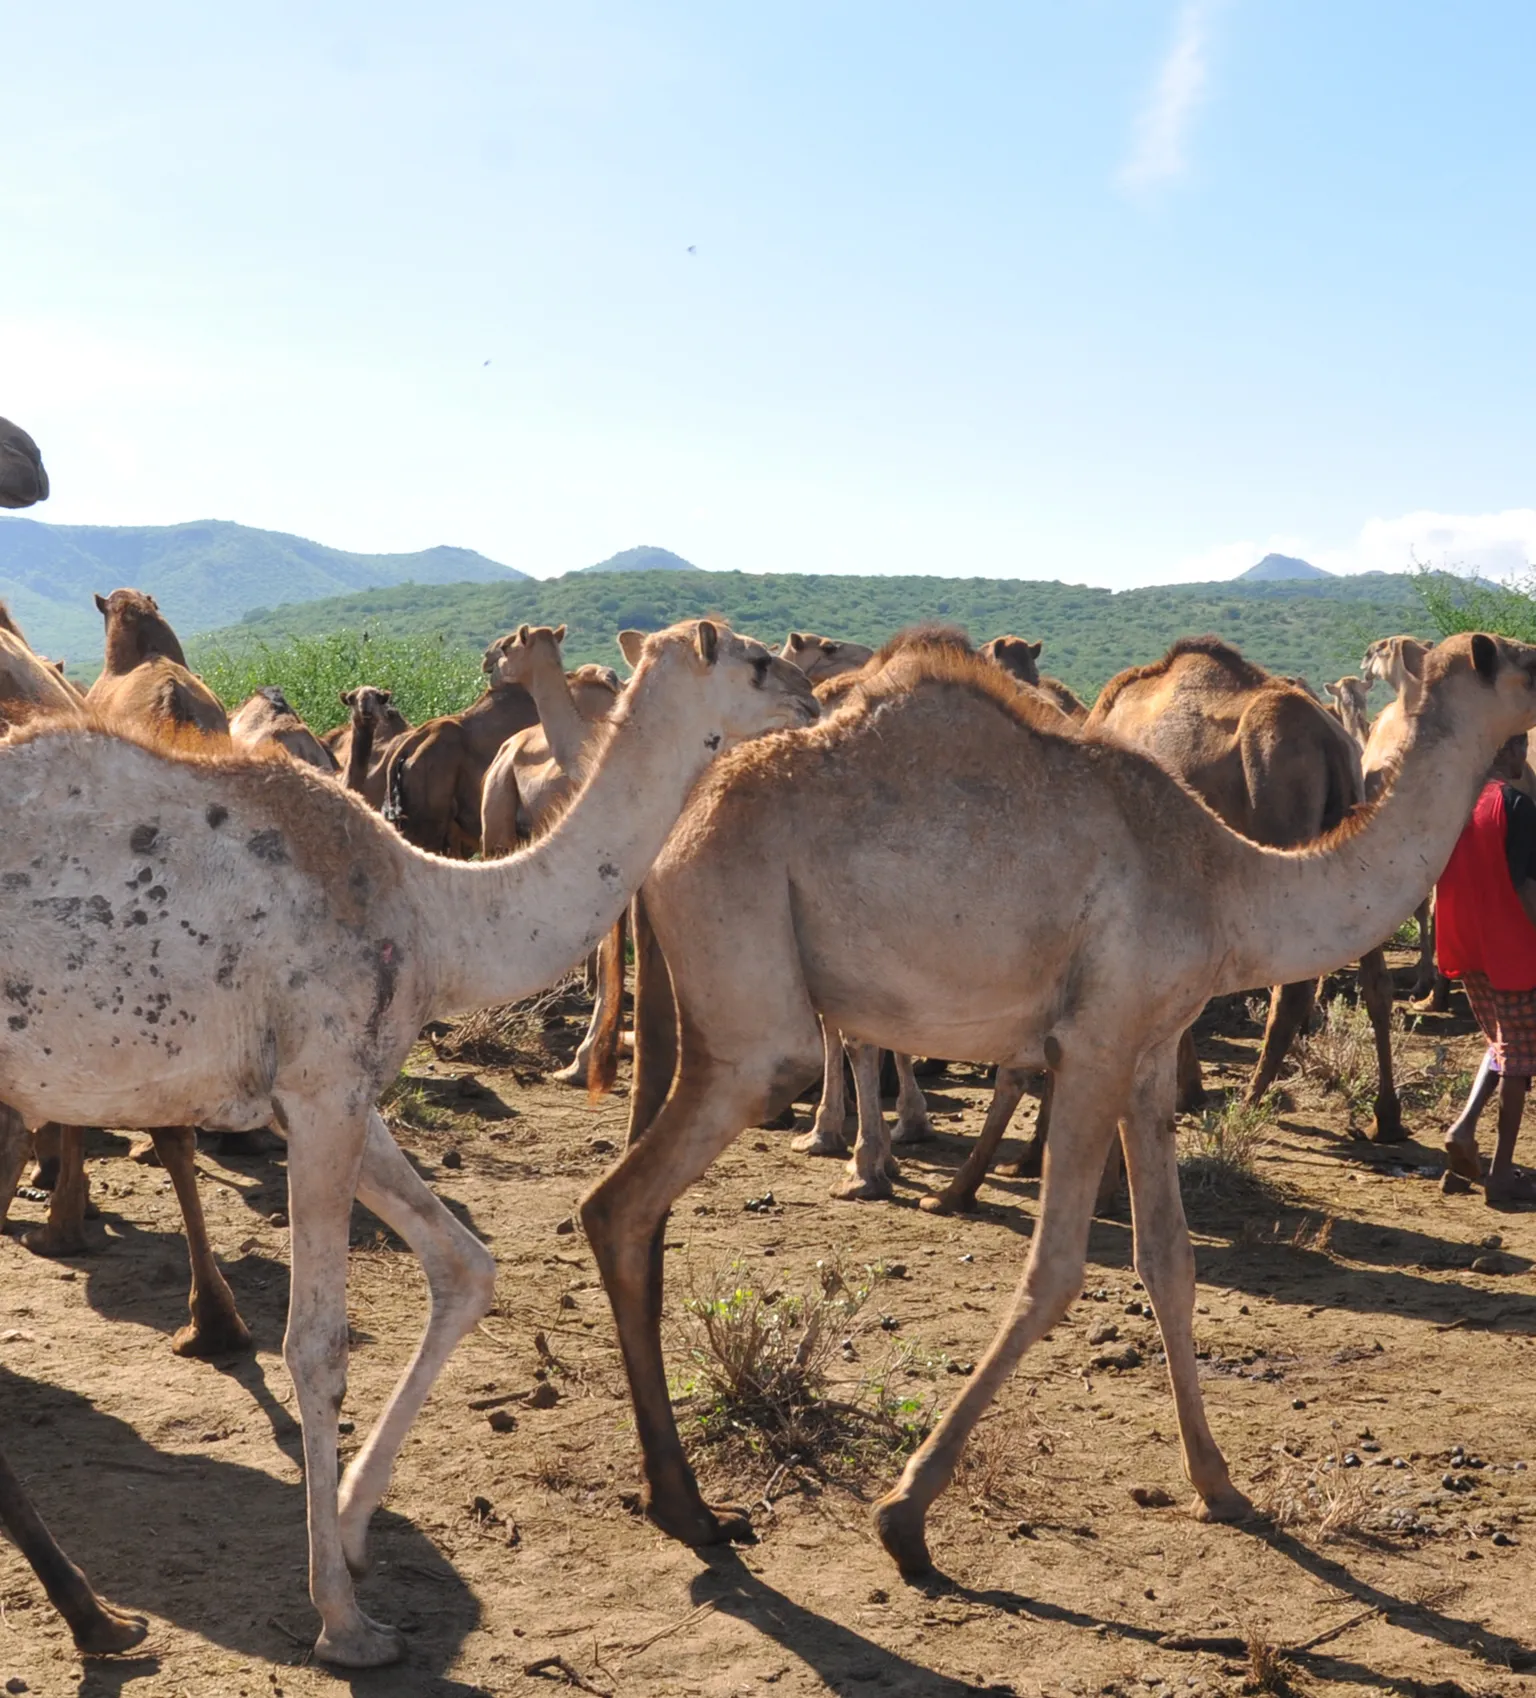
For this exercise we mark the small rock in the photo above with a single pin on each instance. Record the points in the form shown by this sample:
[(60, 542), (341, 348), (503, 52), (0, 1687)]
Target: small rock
[(564, 1226), (1298, 1403), (17, 1335), (16, 1684), (543, 1396), (482, 1508), (1242, 1308), (967, 1257), (879, 1595), (278, 1217), (501, 1421), (1502, 1539), (760, 1205), (1127, 1356), (1022, 1530), (896, 1270), (452, 1158), (961, 1368), (1133, 1308), (1370, 1447), (601, 1146), (1490, 1265), (567, 1301), (1351, 1460), (1151, 1497), (1492, 1242), (1106, 1332), (346, 1426)]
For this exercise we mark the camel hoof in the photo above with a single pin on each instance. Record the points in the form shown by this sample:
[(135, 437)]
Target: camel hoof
[(110, 1633), (920, 1133), (575, 1074), (813, 1143), (1030, 1165), (362, 1644), (1388, 1128), (225, 1335), (948, 1203), (899, 1527), (701, 1524), (1228, 1505), (143, 1151), (51, 1241), (855, 1189)]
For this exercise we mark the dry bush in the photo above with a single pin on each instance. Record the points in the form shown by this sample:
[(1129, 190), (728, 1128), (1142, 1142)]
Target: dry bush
[(1007, 1448), (1339, 1057), (763, 1372), (515, 1034), (406, 1103), (1220, 1151), (1333, 1503), (1269, 1669)]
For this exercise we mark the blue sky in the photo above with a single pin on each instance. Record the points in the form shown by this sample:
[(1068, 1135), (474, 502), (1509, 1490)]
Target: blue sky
[(1117, 291)]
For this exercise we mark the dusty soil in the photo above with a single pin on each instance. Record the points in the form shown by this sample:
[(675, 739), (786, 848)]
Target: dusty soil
[(1349, 1345)]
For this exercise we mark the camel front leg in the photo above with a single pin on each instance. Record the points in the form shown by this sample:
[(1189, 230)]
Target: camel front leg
[(1289, 1008), (15, 1147), (324, 1158), (64, 1232), (461, 1283), (1165, 1262), (825, 1137), (912, 1123), (1090, 1093), (1424, 972), (1191, 1084), (99, 1630), (215, 1328), (959, 1196), (1376, 994), (624, 1216), (872, 1168), (1031, 1164), (579, 1070)]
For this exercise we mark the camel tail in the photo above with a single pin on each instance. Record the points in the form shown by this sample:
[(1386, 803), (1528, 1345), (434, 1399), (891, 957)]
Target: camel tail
[(394, 809), (604, 1064), (1346, 787)]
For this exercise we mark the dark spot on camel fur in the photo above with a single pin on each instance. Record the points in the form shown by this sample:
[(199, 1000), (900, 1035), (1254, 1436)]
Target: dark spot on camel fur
[(268, 846), (216, 814), (142, 839)]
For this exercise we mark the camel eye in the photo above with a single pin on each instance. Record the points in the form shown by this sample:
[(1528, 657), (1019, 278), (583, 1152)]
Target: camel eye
[(760, 671)]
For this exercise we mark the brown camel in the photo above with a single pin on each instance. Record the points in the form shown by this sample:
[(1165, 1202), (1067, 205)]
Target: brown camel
[(268, 717), (364, 771), (1018, 658), (435, 774), (98, 1629), (291, 951), (28, 684), (1085, 937), (1349, 707), (823, 658), (145, 680)]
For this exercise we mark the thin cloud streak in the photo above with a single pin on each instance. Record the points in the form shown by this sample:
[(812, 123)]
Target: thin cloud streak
[(1159, 151)]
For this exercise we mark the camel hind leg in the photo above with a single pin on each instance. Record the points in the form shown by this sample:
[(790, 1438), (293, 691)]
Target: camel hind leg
[(215, 1327), (825, 1137), (607, 975), (1376, 994), (872, 1168), (912, 1123), (1090, 1094), (461, 1282), (1289, 1008), (15, 1147), (98, 1629), (959, 1196), (63, 1234)]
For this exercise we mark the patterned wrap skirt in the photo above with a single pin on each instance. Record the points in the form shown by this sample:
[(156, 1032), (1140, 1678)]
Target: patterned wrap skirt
[(1508, 1020)]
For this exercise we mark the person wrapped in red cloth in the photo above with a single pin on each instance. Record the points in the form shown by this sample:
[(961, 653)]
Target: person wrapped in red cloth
[(1485, 935)]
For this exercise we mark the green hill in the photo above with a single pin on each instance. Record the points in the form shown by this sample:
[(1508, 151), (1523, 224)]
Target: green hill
[(203, 574), (1315, 627), (646, 558)]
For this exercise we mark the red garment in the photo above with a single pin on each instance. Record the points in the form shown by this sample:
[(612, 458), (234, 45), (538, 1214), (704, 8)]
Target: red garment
[(1480, 926)]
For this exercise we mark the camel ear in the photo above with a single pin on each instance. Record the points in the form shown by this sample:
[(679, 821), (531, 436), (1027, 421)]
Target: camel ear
[(1485, 657), (1412, 658), (522, 633), (707, 639), (386, 695), (559, 633), (632, 646), (796, 641), (349, 698), (1033, 649), (101, 605)]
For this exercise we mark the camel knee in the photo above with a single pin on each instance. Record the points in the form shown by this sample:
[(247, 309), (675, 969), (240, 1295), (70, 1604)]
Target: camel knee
[(1049, 1292), (317, 1363)]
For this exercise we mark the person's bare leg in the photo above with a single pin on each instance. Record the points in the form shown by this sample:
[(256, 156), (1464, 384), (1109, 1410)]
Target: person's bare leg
[(1461, 1135), (1505, 1182)]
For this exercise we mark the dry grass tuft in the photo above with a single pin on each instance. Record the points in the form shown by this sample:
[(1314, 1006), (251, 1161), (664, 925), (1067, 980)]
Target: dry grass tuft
[(1220, 1152), (1007, 1448), (516, 1034), (1333, 1503), (1269, 1669), (406, 1103), (1339, 1057)]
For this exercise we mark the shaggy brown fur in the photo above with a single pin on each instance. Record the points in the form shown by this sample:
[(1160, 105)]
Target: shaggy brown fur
[(146, 675)]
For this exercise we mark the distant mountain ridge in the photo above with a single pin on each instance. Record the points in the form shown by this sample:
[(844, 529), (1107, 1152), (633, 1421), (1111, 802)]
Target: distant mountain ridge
[(645, 558), (1276, 568), (205, 573)]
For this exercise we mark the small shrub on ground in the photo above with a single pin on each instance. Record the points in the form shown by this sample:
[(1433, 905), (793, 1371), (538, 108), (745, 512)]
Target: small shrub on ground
[(1339, 1057), (406, 1103), (516, 1034), (1222, 1148), (784, 1374)]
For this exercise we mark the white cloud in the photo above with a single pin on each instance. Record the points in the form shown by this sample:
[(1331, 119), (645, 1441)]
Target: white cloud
[(1494, 545), (1158, 150)]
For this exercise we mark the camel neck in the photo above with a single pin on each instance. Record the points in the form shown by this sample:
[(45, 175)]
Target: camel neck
[(503, 929), (565, 730), (1301, 912), (359, 752)]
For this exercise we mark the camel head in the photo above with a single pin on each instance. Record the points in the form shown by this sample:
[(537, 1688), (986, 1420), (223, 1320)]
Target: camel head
[(1394, 660), (1015, 655), (515, 658), (821, 658), (369, 702), (1474, 680), (136, 629), (1350, 693), (23, 482), (7, 623), (735, 689)]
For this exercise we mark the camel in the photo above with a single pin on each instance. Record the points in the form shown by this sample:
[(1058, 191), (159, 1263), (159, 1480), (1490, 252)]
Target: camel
[(274, 959), (1348, 707), (823, 658), (435, 773), (536, 772), (537, 769), (1084, 937), (145, 678), (1018, 657), (375, 722), (267, 717), (28, 684), (1270, 762), (99, 1630)]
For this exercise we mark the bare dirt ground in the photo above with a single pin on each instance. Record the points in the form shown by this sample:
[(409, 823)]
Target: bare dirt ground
[(1355, 1326)]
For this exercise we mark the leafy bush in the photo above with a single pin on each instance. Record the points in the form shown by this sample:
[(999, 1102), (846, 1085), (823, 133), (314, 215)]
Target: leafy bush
[(428, 674)]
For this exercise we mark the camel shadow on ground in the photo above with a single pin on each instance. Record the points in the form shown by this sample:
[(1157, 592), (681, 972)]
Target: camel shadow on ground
[(217, 1548), (837, 1654)]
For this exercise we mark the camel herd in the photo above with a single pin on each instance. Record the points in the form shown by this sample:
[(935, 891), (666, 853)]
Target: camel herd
[(227, 923)]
